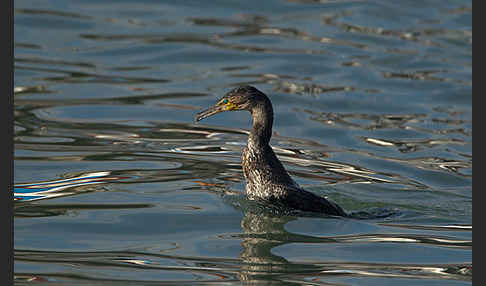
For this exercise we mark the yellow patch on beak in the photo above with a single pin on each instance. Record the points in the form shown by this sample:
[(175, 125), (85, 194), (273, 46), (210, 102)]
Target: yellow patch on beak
[(228, 106)]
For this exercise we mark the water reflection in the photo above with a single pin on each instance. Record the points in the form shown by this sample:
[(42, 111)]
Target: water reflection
[(413, 123), (262, 233), (51, 12), (416, 33), (210, 154), (45, 210), (76, 76), (115, 185), (56, 188)]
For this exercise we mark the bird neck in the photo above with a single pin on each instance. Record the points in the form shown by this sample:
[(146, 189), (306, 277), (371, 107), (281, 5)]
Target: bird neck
[(261, 131)]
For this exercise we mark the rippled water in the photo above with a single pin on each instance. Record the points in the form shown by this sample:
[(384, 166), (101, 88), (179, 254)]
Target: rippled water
[(115, 184)]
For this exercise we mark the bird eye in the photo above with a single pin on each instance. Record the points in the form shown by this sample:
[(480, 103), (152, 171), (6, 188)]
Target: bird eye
[(225, 101)]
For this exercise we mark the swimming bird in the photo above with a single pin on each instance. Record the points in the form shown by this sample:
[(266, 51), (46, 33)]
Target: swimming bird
[(265, 176)]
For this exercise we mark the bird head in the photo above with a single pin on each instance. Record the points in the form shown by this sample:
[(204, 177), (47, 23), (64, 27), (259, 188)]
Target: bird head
[(240, 98)]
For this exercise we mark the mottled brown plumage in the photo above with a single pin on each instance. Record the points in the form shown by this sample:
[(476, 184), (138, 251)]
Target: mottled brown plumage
[(266, 178)]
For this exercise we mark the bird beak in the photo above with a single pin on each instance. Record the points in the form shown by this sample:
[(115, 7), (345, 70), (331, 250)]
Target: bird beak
[(209, 112)]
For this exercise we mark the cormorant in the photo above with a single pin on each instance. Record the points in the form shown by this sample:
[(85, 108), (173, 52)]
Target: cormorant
[(266, 178)]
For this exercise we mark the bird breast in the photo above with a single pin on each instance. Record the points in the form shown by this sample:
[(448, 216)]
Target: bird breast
[(261, 177)]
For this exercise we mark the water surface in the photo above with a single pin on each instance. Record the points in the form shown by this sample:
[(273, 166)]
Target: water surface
[(117, 185)]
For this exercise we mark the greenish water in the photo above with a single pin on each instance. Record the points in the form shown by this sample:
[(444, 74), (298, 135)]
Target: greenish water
[(373, 109)]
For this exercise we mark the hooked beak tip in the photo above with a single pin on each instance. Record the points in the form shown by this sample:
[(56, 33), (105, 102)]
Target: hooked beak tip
[(207, 113)]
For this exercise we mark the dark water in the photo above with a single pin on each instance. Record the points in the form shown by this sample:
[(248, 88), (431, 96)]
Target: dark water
[(373, 103)]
